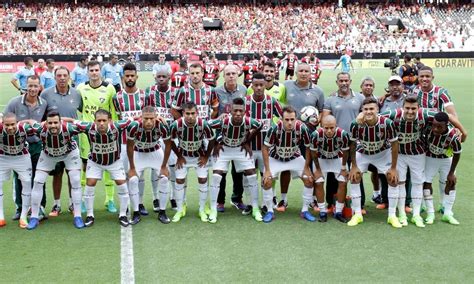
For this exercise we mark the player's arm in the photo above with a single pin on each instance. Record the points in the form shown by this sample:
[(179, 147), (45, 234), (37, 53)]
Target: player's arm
[(338, 62), (15, 80), (453, 119), (176, 105)]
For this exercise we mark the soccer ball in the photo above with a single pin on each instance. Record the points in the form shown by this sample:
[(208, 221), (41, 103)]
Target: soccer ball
[(309, 114)]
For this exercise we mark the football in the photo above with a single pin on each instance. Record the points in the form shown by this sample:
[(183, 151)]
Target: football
[(309, 114)]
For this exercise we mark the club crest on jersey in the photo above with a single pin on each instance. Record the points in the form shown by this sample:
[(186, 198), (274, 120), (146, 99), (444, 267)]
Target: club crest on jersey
[(266, 111), (380, 134), (101, 100)]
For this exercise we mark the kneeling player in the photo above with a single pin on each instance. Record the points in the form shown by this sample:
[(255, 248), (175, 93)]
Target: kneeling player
[(281, 153), (58, 146), (327, 144), (191, 131), (144, 144), (237, 131), (442, 156), (104, 136)]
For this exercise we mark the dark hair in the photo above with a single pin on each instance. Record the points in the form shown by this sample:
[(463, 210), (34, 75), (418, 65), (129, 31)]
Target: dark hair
[(53, 113), (275, 54), (418, 57), (27, 59), (343, 73), (149, 109), (83, 59), (102, 112), (112, 55), (61, 68), (407, 57), (196, 65), (442, 117), (49, 60), (238, 101), (289, 109), (188, 105), (33, 77), (129, 67), (183, 64), (258, 76), (270, 64), (92, 63), (369, 100), (410, 99), (426, 68)]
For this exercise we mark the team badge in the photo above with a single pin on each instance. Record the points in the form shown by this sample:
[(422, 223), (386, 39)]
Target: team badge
[(101, 100), (380, 134)]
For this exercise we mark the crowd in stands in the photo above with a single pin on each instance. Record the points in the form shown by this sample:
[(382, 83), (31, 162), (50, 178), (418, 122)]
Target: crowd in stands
[(85, 28)]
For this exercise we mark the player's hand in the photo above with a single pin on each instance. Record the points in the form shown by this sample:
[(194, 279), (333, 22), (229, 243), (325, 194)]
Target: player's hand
[(248, 150), (344, 174), (463, 136), (217, 149), (180, 162), (360, 119), (450, 183), (164, 171), (267, 179), (355, 175), (161, 119), (202, 161), (132, 172), (222, 116), (392, 177)]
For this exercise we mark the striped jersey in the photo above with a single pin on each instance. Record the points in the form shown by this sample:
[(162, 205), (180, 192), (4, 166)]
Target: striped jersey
[(410, 133), (234, 135), (264, 110), (104, 148), (191, 137), (437, 99), (162, 101), (204, 98), (128, 106), (147, 140), (374, 139), (15, 145), (438, 145), (59, 144), (329, 147), (284, 145)]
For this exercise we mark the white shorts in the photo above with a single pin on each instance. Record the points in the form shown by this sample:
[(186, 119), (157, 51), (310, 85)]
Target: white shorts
[(242, 161), (416, 163), (295, 166), (382, 161), (124, 158), (152, 160), (172, 159), (72, 161), (192, 162), (95, 171), (258, 160), (330, 166), (20, 164), (434, 166)]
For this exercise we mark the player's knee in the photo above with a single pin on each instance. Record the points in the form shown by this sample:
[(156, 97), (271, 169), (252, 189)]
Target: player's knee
[(202, 180), (133, 181), (307, 183), (41, 177), (250, 172), (180, 181), (75, 178)]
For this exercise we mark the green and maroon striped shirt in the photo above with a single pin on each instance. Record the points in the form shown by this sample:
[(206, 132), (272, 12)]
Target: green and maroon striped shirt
[(162, 101), (438, 145), (128, 106), (436, 99), (60, 144), (329, 148), (374, 139), (205, 98), (147, 140), (191, 138), (284, 145), (234, 135), (15, 145)]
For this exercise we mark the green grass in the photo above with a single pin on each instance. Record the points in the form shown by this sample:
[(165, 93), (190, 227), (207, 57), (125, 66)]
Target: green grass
[(237, 249)]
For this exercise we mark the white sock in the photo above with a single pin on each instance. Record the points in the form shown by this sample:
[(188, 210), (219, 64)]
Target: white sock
[(252, 187), (268, 199), (76, 198), (448, 202), (356, 198), (155, 184), (393, 193), (428, 197), (339, 207), (203, 192), (57, 202), (2, 215), (36, 196), (25, 198), (215, 186), (163, 192), (376, 193), (179, 196), (246, 195), (284, 197), (416, 198), (307, 198), (124, 197), (133, 190), (89, 194), (141, 190), (323, 208), (442, 187), (172, 180), (402, 195)]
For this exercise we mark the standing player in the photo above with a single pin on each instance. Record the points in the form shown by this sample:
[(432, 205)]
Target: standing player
[(14, 156), (211, 71), (315, 67), (180, 77), (40, 68), (47, 77), (191, 131), (281, 152), (291, 62), (378, 145), (272, 87), (328, 144), (277, 61), (112, 72), (442, 157), (58, 146), (346, 62), (248, 68), (19, 80), (236, 132), (144, 141), (105, 136), (96, 94), (79, 73)]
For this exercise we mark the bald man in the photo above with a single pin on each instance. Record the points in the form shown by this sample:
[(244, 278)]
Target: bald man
[(328, 144)]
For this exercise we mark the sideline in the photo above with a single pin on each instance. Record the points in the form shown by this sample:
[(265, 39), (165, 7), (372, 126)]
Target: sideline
[(127, 269)]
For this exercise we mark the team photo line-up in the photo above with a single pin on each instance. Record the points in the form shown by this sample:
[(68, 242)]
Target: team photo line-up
[(289, 130)]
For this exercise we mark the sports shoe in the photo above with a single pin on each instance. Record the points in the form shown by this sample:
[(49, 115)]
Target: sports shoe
[(204, 217), (17, 215), (34, 222), (430, 219), (268, 217), (55, 211), (256, 214), (156, 205), (308, 216), (264, 209), (274, 200), (185, 207), (71, 209), (403, 220), (381, 206), (135, 218), (323, 217), (78, 223), (408, 209), (238, 205), (393, 220), (111, 206), (162, 217), (3, 223), (177, 217), (377, 199), (282, 205), (89, 221), (142, 210), (173, 204), (449, 219), (212, 216), (418, 221), (248, 210), (220, 207), (23, 223), (123, 220), (338, 216), (355, 220), (441, 208), (42, 214)]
